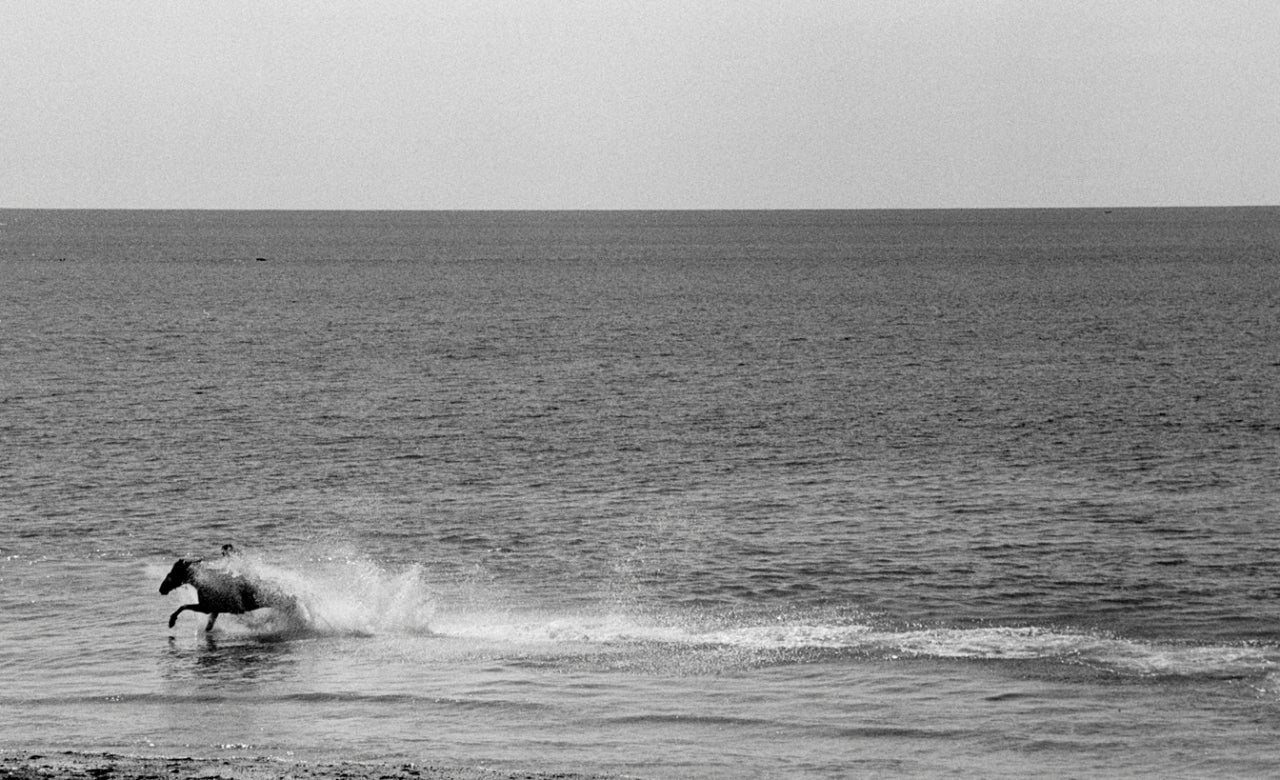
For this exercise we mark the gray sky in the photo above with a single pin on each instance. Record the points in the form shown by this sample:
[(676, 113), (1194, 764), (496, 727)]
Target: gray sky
[(436, 104)]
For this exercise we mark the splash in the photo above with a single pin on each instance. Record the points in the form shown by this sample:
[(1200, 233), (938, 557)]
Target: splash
[(357, 596), (332, 595), (1129, 657), (792, 640), (349, 595)]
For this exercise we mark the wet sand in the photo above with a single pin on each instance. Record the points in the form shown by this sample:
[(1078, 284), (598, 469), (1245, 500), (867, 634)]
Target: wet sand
[(23, 765)]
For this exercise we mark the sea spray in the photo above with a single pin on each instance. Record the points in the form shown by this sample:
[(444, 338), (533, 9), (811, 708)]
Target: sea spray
[(351, 595), (341, 593), (333, 595), (707, 644)]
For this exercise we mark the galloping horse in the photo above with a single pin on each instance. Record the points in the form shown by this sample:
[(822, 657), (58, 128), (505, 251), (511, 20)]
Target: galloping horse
[(219, 590)]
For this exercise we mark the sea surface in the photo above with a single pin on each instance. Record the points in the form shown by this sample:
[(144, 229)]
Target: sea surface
[(656, 494)]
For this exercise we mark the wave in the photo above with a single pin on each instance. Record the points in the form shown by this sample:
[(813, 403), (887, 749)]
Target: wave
[(208, 698)]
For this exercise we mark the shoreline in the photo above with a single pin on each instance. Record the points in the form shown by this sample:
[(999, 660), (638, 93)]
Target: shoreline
[(16, 764)]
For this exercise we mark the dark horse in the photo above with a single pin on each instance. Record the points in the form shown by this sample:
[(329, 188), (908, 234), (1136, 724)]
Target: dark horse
[(219, 590)]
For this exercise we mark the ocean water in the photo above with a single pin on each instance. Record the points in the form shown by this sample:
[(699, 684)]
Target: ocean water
[(715, 495)]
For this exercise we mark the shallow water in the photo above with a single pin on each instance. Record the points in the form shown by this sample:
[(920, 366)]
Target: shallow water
[(687, 494)]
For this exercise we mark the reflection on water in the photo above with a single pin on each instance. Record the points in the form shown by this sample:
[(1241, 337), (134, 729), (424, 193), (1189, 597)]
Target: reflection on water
[(211, 659)]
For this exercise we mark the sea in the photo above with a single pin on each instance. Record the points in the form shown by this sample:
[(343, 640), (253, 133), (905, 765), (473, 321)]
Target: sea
[(695, 494)]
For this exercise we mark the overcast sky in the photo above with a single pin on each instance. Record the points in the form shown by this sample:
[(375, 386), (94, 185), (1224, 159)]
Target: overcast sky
[(437, 104)]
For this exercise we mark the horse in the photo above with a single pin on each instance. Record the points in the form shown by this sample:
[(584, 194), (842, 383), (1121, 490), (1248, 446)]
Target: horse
[(219, 590)]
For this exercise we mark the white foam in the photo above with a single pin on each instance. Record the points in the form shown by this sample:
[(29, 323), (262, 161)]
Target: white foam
[(335, 596), (546, 628), (1119, 655), (345, 595)]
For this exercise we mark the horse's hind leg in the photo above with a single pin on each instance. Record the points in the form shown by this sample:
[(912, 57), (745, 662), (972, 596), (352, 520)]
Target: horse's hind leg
[(209, 626)]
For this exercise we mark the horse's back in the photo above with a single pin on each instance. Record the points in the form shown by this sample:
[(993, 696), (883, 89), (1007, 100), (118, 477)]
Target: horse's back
[(223, 591)]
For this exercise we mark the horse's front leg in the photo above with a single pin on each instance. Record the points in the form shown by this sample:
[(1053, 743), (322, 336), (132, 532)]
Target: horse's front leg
[(173, 619), (209, 626), (194, 608)]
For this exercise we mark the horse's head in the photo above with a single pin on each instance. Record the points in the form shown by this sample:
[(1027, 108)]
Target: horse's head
[(179, 575)]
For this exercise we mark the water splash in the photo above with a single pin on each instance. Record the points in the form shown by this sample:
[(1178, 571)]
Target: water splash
[(332, 595), (799, 639), (349, 595), (1102, 652), (355, 596)]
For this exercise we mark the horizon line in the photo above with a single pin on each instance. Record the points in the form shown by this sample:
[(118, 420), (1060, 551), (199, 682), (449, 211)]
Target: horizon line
[(638, 210)]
